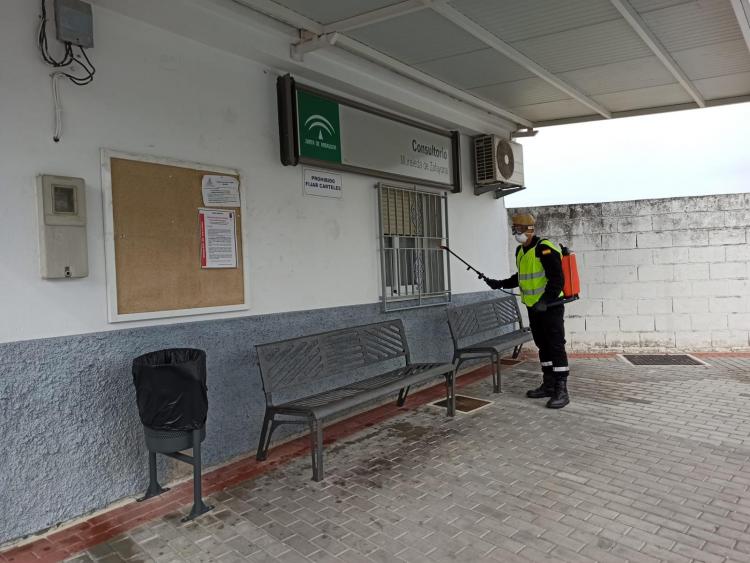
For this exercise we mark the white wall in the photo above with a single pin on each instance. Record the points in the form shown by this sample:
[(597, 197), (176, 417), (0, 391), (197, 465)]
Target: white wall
[(663, 274), (161, 94)]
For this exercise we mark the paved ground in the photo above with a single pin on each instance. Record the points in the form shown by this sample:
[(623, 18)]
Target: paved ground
[(646, 464)]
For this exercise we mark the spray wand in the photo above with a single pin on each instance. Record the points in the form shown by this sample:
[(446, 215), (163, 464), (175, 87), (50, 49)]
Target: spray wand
[(473, 269), (468, 266)]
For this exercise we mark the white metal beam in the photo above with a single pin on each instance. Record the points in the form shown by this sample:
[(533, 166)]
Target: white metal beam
[(377, 16), (742, 11), (298, 50), (649, 38), (283, 14), (509, 51), (403, 69)]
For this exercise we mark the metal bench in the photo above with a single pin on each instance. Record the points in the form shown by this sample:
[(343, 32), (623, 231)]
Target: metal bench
[(316, 376), (485, 330)]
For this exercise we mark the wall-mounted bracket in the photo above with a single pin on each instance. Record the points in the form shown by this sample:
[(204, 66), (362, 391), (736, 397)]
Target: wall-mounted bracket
[(310, 44), (528, 132), (499, 189)]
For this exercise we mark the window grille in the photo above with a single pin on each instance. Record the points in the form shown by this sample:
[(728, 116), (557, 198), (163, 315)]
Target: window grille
[(414, 269)]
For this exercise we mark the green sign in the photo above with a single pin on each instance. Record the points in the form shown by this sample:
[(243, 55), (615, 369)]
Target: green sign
[(319, 127)]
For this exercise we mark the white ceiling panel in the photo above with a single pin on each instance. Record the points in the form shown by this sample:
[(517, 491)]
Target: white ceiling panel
[(615, 77), (593, 45), (655, 96), (724, 86), (520, 93), (560, 109), (330, 11), (418, 37), (643, 6), (566, 50), (714, 60), (478, 68), (515, 20), (694, 24)]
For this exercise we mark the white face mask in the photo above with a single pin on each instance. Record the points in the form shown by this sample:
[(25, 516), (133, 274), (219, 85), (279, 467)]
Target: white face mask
[(521, 238)]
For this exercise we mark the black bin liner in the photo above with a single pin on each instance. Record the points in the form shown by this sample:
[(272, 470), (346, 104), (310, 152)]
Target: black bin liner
[(170, 387)]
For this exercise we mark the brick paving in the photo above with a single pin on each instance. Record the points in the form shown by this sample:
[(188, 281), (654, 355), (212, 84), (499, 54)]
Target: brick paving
[(646, 464)]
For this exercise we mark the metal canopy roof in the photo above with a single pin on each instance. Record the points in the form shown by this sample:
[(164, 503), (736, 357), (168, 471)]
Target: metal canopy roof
[(544, 62)]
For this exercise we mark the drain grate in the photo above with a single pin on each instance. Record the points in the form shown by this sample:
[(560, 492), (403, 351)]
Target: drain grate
[(662, 360), (465, 404)]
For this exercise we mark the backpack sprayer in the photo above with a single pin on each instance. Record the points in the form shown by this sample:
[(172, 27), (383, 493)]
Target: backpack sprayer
[(571, 284)]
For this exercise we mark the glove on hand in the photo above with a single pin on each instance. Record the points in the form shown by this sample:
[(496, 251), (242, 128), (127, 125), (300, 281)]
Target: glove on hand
[(494, 284), (540, 306)]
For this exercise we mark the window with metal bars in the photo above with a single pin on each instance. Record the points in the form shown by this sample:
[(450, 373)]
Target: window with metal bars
[(413, 226)]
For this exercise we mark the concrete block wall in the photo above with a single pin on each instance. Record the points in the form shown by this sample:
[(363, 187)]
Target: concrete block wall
[(663, 274)]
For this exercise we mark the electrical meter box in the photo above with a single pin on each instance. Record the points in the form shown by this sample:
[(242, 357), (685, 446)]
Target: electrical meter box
[(62, 227), (74, 22)]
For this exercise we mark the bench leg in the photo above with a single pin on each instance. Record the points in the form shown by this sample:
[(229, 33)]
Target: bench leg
[(450, 394), (316, 439), (517, 351), (402, 396), (496, 379), (265, 437)]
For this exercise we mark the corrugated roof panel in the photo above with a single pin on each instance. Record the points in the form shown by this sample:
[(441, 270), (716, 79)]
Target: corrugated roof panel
[(655, 96), (334, 10), (714, 60), (625, 75), (553, 110), (593, 45), (478, 68), (520, 92), (418, 37), (724, 86), (644, 6), (514, 20), (694, 24)]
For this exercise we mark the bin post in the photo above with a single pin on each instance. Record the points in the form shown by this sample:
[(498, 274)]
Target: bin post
[(154, 489), (199, 507)]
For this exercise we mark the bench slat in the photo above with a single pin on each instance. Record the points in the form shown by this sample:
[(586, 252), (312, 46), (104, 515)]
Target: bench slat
[(335, 400), (293, 368), (483, 320)]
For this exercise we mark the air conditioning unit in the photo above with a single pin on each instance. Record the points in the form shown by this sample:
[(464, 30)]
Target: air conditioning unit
[(497, 161)]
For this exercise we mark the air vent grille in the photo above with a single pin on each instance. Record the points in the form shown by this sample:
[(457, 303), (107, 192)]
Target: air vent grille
[(484, 159)]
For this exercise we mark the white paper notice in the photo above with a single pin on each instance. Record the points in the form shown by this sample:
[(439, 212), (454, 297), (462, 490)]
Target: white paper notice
[(221, 191), (218, 238), (326, 184)]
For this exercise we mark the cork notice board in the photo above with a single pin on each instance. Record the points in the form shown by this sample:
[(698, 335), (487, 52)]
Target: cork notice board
[(153, 241)]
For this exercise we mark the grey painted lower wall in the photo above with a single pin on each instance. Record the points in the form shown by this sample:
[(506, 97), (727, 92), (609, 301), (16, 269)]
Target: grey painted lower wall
[(72, 440)]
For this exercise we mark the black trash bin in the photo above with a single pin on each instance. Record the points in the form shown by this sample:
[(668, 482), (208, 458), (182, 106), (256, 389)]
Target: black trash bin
[(172, 399)]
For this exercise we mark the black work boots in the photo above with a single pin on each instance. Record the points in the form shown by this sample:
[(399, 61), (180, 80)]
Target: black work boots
[(546, 389), (556, 388), (560, 397)]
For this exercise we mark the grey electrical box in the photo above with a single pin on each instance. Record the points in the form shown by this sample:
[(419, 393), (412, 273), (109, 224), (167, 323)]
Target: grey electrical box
[(63, 251), (74, 22)]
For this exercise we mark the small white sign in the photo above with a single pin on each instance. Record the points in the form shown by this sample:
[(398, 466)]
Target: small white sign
[(221, 191), (218, 238), (322, 183)]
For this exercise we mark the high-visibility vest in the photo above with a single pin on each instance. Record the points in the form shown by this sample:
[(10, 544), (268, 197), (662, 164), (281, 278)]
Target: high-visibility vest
[(531, 278)]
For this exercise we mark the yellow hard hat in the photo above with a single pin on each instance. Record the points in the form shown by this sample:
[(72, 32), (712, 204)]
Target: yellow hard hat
[(525, 219)]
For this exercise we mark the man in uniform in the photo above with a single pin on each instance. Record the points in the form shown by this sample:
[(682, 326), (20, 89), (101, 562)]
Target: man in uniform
[(540, 279)]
